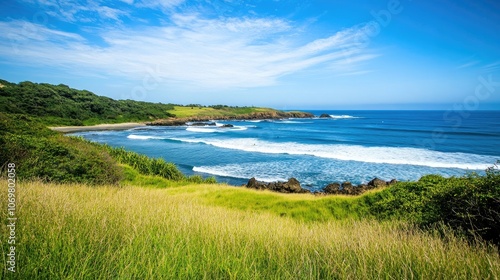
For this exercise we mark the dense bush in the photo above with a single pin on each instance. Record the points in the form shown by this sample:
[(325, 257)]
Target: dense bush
[(62, 105), (40, 153), (146, 165), (154, 166), (468, 204)]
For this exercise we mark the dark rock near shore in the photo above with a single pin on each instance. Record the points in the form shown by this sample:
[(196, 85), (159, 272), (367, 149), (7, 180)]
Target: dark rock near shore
[(376, 182), (333, 188), (169, 122), (348, 188), (202, 124), (254, 184), (392, 182), (291, 186), (325, 116), (227, 125)]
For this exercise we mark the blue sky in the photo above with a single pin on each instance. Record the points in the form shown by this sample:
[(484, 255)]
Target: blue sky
[(285, 54)]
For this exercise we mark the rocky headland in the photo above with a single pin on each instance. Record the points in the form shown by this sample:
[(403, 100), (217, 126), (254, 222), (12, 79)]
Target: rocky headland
[(274, 115)]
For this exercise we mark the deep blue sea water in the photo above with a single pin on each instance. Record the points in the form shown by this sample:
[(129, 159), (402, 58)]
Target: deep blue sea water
[(352, 146)]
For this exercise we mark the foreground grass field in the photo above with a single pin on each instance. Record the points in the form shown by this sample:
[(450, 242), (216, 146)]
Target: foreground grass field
[(81, 232)]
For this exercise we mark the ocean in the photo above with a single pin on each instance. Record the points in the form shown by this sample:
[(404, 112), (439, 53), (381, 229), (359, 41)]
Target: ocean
[(354, 146)]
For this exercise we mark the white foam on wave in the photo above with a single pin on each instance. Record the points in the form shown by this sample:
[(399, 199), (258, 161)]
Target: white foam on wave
[(291, 122), (201, 129), (387, 155), (235, 171), (237, 127), (343, 117), (219, 128), (144, 137)]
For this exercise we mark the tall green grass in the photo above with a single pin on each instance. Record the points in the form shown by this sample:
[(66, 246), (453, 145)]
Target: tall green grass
[(146, 165), (79, 232), (303, 207), (153, 166)]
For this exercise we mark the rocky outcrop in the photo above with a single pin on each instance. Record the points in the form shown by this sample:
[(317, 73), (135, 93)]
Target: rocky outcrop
[(392, 182), (202, 124), (350, 189), (333, 188), (291, 186), (376, 182), (325, 116), (169, 122), (252, 116)]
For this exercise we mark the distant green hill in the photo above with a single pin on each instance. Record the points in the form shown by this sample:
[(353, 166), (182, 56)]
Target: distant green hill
[(62, 105)]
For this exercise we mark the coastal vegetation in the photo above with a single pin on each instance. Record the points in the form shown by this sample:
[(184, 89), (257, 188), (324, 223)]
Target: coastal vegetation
[(60, 105), (49, 156), (87, 210)]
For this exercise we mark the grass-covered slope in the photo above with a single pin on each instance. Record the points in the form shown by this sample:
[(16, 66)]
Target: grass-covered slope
[(43, 154), (62, 105), (79, 232), (40, 153)]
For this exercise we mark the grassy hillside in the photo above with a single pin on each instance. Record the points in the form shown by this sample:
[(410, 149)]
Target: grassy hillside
[(213, 111), (79, 232), (62, 105), (44, 154)]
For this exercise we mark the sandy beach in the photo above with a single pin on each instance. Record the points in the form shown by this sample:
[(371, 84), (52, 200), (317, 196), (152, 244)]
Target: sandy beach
[(116, 126)]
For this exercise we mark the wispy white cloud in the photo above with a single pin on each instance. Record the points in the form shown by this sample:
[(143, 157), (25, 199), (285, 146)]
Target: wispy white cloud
[(469, 64), (216, 53), (492, 67), (83, 11), (162, 4), (110, 13), (21, 33)]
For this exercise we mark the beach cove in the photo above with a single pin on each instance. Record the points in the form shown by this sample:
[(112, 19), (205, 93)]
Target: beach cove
[(354, 146)]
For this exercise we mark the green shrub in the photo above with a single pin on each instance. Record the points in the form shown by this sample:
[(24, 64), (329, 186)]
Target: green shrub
[(146, 165), (197, 179), (468, 204)]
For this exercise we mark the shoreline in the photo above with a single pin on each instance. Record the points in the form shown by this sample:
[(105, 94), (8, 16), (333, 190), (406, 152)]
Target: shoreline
[(180, 121), (98, 127)]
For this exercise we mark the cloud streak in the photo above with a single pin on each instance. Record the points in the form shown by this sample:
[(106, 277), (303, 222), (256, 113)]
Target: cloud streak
[(210, 53)]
